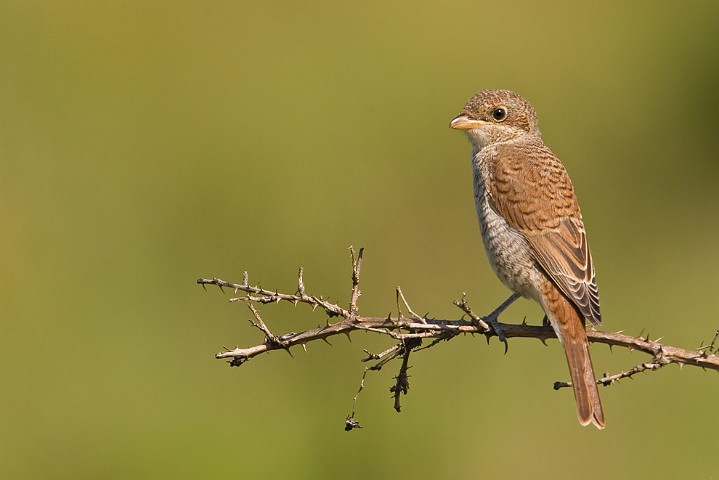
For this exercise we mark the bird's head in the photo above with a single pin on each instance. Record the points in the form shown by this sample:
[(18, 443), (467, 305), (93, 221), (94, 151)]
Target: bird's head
[(493, 116)]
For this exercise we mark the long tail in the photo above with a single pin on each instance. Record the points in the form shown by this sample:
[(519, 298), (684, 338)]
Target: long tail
[(569, 326)]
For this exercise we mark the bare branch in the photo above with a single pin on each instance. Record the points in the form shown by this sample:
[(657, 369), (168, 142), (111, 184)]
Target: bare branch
[(462, 304), (656, 363), (402, 379), (356, 265), (409, 332), (380, 356), (435, 328), (269, 336), (400, 295)]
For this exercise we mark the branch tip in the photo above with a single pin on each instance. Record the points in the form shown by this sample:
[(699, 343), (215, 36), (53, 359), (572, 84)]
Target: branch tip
[(351, 424)]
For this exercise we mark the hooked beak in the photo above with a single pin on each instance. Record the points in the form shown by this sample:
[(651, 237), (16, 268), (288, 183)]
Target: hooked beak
[(463, 122)]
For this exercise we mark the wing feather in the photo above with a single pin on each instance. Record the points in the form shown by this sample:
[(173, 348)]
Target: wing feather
[(532, 191)]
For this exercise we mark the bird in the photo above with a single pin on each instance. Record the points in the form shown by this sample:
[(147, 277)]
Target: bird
[(532, 229)]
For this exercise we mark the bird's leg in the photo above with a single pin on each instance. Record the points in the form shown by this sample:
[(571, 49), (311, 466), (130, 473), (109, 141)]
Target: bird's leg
[(491, 319)]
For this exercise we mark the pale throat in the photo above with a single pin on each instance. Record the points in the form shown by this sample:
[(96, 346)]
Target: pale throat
[(480, 138), (493, 134)]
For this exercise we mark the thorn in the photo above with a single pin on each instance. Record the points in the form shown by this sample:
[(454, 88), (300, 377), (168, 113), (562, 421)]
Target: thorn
[(304, 347), (348, 336), (204, 287), (326, 341), (287, 349), (223, 290)]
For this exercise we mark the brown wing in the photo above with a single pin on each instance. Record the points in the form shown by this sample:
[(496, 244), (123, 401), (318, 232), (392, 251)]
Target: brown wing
[(532, 191)]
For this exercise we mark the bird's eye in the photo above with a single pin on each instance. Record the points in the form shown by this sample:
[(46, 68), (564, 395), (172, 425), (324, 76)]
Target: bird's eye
[(499, 114)]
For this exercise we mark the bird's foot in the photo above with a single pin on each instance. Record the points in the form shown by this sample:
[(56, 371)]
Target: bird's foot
[(492, 318)]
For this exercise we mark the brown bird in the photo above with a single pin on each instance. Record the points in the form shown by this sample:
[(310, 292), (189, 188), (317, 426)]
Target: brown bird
[(532, 228)]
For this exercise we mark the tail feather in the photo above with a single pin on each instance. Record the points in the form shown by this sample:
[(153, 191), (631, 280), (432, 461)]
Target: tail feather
[(569, 326), (589, 407)]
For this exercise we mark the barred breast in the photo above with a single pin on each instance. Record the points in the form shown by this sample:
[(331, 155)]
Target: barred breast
[(508, 252)]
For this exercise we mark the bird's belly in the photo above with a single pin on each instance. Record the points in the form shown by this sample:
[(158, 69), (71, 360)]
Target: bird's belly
[(508, 252)]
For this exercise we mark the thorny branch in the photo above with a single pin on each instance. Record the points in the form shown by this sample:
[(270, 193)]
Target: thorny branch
[(409, 332)]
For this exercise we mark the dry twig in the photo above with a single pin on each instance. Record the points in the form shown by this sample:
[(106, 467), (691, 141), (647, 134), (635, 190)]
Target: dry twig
[(409, 332)]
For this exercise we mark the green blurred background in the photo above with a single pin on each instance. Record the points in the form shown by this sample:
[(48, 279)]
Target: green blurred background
[(145, 144)]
